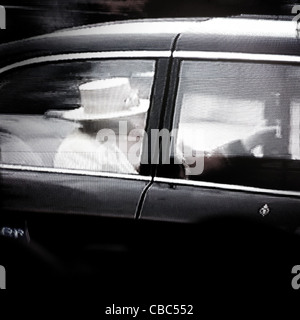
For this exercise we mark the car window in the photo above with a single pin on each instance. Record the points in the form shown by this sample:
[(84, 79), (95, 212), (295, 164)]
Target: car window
[(241, 120), (86, 115)]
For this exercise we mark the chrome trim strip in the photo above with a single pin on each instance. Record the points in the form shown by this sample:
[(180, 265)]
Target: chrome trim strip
[(227, 187), (76, 172), (236, 56), (88, 55)]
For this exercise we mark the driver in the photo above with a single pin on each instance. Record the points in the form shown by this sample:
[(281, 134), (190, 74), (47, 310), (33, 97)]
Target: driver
[(227, 156)]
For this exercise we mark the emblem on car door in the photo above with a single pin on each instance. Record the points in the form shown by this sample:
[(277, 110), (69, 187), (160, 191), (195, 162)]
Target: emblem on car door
[(264, 210)]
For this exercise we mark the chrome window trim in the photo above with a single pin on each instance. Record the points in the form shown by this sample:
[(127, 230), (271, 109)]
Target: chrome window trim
[(87, 55), (75, 172), (227, 187), (212, 55)]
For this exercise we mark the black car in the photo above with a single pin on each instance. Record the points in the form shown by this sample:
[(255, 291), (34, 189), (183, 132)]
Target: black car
[(129, 141)]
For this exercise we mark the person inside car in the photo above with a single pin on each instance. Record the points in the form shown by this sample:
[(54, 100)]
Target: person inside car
[(228, 161), (228, 155), (110, 110)]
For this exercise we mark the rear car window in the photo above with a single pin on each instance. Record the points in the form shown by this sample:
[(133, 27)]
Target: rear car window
[(86, 115)]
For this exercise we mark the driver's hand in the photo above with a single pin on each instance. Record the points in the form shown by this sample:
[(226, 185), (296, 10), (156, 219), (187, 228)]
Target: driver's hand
[(262, 137)]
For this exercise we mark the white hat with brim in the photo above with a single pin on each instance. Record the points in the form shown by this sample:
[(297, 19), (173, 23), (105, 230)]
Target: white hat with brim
[(79, 114), (104, 99)]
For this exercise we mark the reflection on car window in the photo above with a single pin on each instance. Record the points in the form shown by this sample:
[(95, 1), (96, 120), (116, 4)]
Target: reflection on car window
[(243, 118), (76, 115)]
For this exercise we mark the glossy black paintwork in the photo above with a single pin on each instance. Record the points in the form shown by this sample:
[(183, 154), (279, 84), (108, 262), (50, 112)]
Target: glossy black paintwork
[(115, 197), (240, 44), (69, 193), (184, 203), (36, 47)]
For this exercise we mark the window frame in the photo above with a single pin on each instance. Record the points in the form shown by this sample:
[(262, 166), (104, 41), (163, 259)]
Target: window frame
[(171, 112), (160, 59)]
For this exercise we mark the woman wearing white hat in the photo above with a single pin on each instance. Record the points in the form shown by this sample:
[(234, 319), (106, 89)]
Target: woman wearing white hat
[(108, 105)]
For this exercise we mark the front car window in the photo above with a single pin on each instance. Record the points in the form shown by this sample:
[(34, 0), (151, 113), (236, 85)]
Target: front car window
[(86, 115), (243, 119)]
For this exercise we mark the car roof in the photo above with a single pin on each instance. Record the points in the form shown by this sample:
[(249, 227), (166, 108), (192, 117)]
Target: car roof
[(244, 35), (254, 26), (269, 35), (252, 34), (137, 27)]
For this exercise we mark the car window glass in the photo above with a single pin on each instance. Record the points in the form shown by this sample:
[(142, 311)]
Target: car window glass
[(86, 115), (241, 120)]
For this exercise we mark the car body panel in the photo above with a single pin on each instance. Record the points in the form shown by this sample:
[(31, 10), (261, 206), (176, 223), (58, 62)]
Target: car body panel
[(33, 48), (53, 190), (146, 196), (175, 201), (190, 201), (243, 36), (70, 193)]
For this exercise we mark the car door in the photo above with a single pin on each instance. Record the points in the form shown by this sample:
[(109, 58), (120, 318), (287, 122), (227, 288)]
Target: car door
[(218, 102), (32, 180)]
